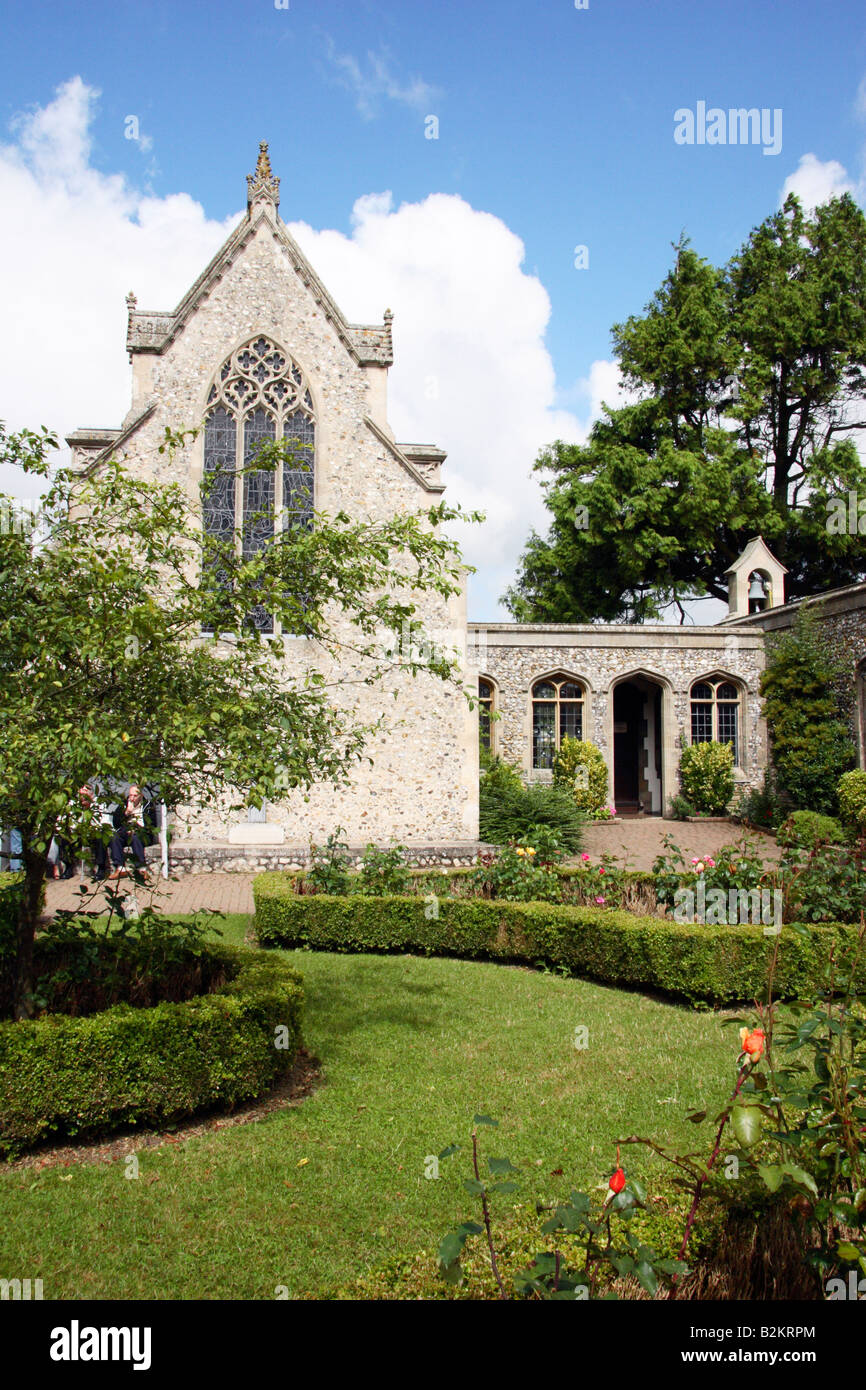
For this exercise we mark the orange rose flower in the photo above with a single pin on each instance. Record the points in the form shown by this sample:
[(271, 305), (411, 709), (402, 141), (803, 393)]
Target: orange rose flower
[(752, 1044)]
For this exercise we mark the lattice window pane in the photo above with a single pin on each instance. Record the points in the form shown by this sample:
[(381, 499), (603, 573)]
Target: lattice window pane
[(485, 728), (702, 722), (543, 734), (218, 490), (544, 691), (570, 720), (728, 727), (485, 707), (259, 490), (299, 432)]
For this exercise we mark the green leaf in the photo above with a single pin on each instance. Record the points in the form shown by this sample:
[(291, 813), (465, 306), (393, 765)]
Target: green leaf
[(774, 1174), (501, 1165), (646, 1277), (485, 1120), (846, 1251), (746, 1123)]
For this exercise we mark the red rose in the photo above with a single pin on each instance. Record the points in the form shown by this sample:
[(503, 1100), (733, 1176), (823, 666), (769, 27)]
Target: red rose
[(617, 1182)]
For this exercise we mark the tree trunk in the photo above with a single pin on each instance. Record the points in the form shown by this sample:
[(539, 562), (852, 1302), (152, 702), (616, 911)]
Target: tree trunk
[(28, 918)]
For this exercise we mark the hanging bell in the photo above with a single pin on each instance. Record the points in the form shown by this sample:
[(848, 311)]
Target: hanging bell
[(757, 593)]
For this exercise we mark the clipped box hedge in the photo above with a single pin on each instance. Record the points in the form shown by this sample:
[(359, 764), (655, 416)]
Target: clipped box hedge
[(128, 1066), (703, 964)]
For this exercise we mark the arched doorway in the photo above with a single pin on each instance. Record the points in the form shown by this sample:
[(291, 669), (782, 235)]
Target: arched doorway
[(638, 747)]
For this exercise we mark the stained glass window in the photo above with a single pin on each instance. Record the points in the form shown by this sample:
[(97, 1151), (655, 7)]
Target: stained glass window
[(258, 395)]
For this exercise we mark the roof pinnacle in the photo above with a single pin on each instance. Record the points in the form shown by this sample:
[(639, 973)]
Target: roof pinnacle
[(262, 183)]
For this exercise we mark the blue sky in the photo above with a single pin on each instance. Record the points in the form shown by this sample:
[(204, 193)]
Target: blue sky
[(556, 121)]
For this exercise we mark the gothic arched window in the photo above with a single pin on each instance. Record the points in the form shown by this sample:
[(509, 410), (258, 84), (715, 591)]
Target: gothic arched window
[(258, 395), (715, 714), (557, 713)]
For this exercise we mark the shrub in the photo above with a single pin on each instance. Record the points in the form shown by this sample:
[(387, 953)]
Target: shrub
[(514, 812), (809, 828), (680, 807), (151, 1066), (763, 806), (810, 744), (580, 767), (383, 871), (329, 866), (517, 874), (496, 772), (707, 776), (826, 883), (715, 964), (852, 800), (11, 888), (84, 962)]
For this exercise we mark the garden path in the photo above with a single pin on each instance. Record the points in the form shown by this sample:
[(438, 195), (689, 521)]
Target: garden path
[(637, 839)]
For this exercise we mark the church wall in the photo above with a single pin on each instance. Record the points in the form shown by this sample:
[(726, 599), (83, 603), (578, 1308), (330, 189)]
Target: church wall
[(515, 656), (422, 785)]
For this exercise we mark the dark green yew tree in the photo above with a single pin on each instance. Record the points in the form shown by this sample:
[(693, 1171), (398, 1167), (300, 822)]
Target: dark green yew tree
[(747, 399)]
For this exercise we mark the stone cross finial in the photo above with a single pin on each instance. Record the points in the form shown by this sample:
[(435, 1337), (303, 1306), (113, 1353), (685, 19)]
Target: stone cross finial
[(262, 183)]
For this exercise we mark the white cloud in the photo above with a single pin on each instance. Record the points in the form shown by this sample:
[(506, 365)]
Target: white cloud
[(373, 81), (816, 181), (471, 371), (73, 242), (603, 386), (471, 374)]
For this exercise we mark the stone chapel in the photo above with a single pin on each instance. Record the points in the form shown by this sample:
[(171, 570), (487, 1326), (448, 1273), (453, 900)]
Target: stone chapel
[(258, 348)]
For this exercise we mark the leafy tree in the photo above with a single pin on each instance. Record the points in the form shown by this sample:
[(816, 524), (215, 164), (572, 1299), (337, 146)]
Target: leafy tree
[(805, 705), (126, 653), (746, 388)]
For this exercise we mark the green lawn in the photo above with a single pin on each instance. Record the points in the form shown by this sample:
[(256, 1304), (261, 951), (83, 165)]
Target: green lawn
[(410, 1048)]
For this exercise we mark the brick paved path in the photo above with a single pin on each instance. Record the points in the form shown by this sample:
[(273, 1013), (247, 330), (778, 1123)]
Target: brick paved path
[(228, 892), (639, 839)]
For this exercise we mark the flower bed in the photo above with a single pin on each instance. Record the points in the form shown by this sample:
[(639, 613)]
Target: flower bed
[(151, 1066)]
